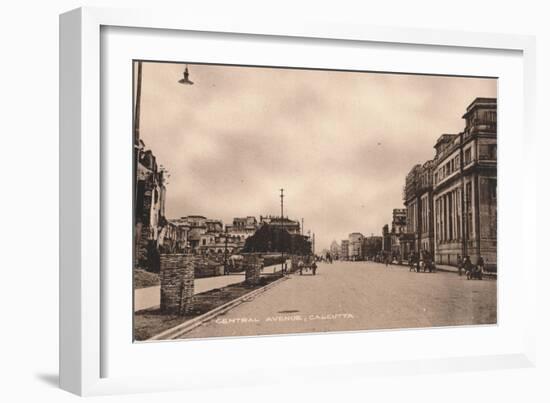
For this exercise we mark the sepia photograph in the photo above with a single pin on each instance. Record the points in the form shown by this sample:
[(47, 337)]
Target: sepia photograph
[(283, 200)]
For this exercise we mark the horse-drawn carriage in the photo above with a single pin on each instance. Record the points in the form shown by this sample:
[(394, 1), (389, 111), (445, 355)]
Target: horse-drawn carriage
[(425, 264), (307, 266)]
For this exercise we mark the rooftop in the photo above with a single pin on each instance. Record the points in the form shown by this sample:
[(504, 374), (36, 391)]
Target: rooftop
[(444, 138), (478, 102)]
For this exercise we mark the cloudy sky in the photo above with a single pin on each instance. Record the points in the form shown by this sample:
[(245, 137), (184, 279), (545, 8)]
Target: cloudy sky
[(339, 143)]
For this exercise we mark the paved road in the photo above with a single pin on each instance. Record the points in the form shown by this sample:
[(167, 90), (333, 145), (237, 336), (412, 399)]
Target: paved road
[(359, 296), (149, 297)]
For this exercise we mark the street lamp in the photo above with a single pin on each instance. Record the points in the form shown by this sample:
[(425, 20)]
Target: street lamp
[(138, 144), (185, 80)]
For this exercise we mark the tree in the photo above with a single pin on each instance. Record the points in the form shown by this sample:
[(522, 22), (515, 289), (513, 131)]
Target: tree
[(269, 238)]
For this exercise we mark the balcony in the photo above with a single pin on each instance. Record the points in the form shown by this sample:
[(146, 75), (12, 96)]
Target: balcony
[(481, 127)]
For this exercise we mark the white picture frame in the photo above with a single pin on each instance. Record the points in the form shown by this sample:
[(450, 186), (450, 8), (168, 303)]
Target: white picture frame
[(85, 345)]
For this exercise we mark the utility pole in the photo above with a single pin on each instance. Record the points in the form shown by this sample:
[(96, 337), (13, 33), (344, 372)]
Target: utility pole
[(137, 113), (138, 103), (137, 221)]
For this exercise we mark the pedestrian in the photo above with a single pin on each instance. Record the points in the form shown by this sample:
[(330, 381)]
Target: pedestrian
[(480, 264), (467, 263)]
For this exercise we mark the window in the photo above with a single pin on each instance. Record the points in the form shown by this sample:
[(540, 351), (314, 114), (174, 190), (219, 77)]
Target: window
[(467, 156), (468, 207), (484, 151), (491, 116)]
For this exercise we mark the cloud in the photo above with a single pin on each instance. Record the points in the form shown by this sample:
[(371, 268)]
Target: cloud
[(340, 143)]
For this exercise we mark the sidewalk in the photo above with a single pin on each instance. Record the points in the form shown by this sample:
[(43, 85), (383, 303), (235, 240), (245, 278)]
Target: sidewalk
[(451, 269), (149, 297)]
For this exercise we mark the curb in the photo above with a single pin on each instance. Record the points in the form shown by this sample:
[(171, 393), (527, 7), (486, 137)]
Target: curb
[(191, 324)]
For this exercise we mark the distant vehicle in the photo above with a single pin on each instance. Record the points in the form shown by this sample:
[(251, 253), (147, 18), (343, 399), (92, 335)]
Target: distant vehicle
[(309, 265), (427, 265), (474, 272)]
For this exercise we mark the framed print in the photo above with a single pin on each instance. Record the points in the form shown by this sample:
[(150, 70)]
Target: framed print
[(251, 195)]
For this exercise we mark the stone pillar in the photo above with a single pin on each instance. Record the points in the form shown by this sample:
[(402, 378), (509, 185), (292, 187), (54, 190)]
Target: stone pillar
[(177, 283), (253, 264), (188, 284)]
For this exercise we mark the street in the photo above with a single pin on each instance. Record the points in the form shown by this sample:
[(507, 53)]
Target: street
[(359, 296)]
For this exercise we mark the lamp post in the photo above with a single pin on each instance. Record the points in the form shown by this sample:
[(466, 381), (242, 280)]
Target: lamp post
[(185, 80), (137, 113), (138, 147)]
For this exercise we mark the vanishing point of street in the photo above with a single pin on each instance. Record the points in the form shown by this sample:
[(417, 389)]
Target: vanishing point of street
[(359, 296)]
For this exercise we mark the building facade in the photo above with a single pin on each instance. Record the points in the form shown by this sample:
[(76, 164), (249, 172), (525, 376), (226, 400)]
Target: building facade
[(399, 221), (355, 246), (291, 226), (418, 200), (149, 218), (335, 250), (465, 188), (243, 227), (197, 228), (344, 249), (386, 239)]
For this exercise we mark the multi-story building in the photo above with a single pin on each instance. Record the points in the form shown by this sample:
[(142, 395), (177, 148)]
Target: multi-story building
[(465, 188), (398, 228), (213, 226), (197, 228), (291, 226), (344, 249), (219, 245), (355, 246), (399, 221), (243, 227), (202, 236), (386, 238), (335, 250), (418, 199), (149, 218), (391, 239)]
